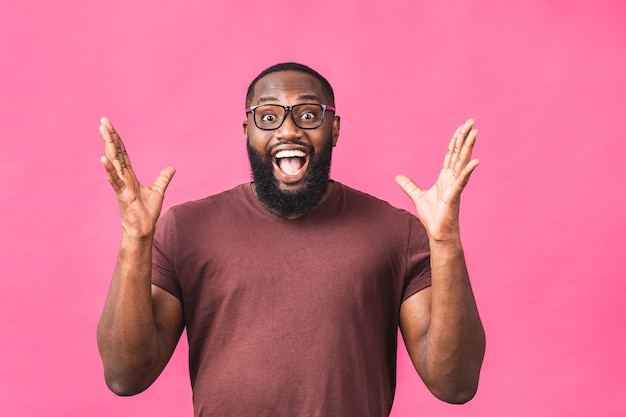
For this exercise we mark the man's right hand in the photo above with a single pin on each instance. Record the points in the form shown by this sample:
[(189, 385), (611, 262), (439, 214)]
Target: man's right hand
[(140, 206)]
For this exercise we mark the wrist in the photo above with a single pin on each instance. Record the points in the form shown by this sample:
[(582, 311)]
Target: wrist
[(445, 233), (448, 247), (130, 240), (133, 232)]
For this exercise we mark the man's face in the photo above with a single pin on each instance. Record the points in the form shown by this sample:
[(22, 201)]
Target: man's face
[(290, 163)]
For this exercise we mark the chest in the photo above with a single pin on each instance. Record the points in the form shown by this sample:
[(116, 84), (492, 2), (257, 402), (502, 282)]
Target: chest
[(344, 270)]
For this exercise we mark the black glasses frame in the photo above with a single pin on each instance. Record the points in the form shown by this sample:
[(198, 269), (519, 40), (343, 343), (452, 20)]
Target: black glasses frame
[(289, 109)]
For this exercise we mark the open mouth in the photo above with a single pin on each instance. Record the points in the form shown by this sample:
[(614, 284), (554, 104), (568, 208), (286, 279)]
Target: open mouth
[(291, 161)]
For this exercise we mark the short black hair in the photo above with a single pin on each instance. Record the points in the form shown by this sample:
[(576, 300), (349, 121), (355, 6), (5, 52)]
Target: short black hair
[(291, 66)]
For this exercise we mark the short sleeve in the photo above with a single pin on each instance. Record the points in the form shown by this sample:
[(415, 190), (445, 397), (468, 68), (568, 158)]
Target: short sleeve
[(163, 271), (418, 274)]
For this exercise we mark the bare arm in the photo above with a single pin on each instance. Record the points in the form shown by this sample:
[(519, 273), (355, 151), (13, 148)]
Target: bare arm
[(440, 325), (141, 323)]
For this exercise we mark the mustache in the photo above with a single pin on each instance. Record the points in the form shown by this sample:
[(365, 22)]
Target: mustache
[(293, 142), (281, 142)]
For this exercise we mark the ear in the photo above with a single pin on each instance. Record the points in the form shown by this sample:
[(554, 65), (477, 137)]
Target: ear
[(245, 128), (336, 128)]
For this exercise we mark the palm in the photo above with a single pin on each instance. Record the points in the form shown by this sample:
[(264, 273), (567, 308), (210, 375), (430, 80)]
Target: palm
[(438, 207), (140, 206)]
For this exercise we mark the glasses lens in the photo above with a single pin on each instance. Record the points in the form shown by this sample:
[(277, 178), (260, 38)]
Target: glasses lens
[(308, 116), (269, 116)]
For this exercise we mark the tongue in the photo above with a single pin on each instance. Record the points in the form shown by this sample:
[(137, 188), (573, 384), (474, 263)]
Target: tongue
[(290, 165)]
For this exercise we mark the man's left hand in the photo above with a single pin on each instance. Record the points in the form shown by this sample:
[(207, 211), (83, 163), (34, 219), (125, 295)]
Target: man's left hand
[(438, 207)]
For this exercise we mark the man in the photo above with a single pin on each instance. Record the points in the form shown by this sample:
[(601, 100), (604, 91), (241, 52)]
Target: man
[(292, 287)]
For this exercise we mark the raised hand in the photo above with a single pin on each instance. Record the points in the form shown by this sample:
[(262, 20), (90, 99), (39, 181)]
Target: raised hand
[(140, 206), (438, 207)]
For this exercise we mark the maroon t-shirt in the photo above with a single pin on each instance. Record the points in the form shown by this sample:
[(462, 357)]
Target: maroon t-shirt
[(291, 317)]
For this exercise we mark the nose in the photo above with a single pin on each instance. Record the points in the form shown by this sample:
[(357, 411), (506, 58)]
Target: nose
[(288, 130)]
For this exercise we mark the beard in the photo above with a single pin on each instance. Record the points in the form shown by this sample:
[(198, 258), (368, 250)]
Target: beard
[(288, 203)]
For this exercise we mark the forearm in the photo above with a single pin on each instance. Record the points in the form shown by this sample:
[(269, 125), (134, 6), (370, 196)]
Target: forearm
[(455, 341), (127, 332)]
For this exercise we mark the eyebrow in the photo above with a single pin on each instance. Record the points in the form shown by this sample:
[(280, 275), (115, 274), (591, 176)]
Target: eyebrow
[(303, 97)]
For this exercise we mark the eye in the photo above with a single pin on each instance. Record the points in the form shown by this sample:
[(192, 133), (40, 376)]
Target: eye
[(266, 114), (308, 112)]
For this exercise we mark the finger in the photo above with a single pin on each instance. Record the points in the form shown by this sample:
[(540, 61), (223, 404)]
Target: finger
[(110, 145), (112, 176), (409, 186), (454, 148), (461, 136), (448, 160), (163, 180), (114, 146), (466, 172), (459, 141), (466, 150), (121, 153)]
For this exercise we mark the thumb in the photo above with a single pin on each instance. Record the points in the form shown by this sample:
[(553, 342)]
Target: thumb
[(163, 180), (408, 186)]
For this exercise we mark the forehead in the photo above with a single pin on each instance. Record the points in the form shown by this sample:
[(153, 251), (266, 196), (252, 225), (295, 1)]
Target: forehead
[(285, 86)]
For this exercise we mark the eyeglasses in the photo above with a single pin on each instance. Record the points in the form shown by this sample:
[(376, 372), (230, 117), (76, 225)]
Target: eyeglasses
[(272, 116)]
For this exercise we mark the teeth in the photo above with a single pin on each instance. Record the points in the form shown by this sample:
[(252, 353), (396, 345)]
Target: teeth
[(290, 154)]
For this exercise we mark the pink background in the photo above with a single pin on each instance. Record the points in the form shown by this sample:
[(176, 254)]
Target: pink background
[(543, 216)]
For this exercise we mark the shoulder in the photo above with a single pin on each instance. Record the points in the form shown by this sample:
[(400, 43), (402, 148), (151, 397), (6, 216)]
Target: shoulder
[(215, 201), (209, 209), (363, 201), (378, 213)]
